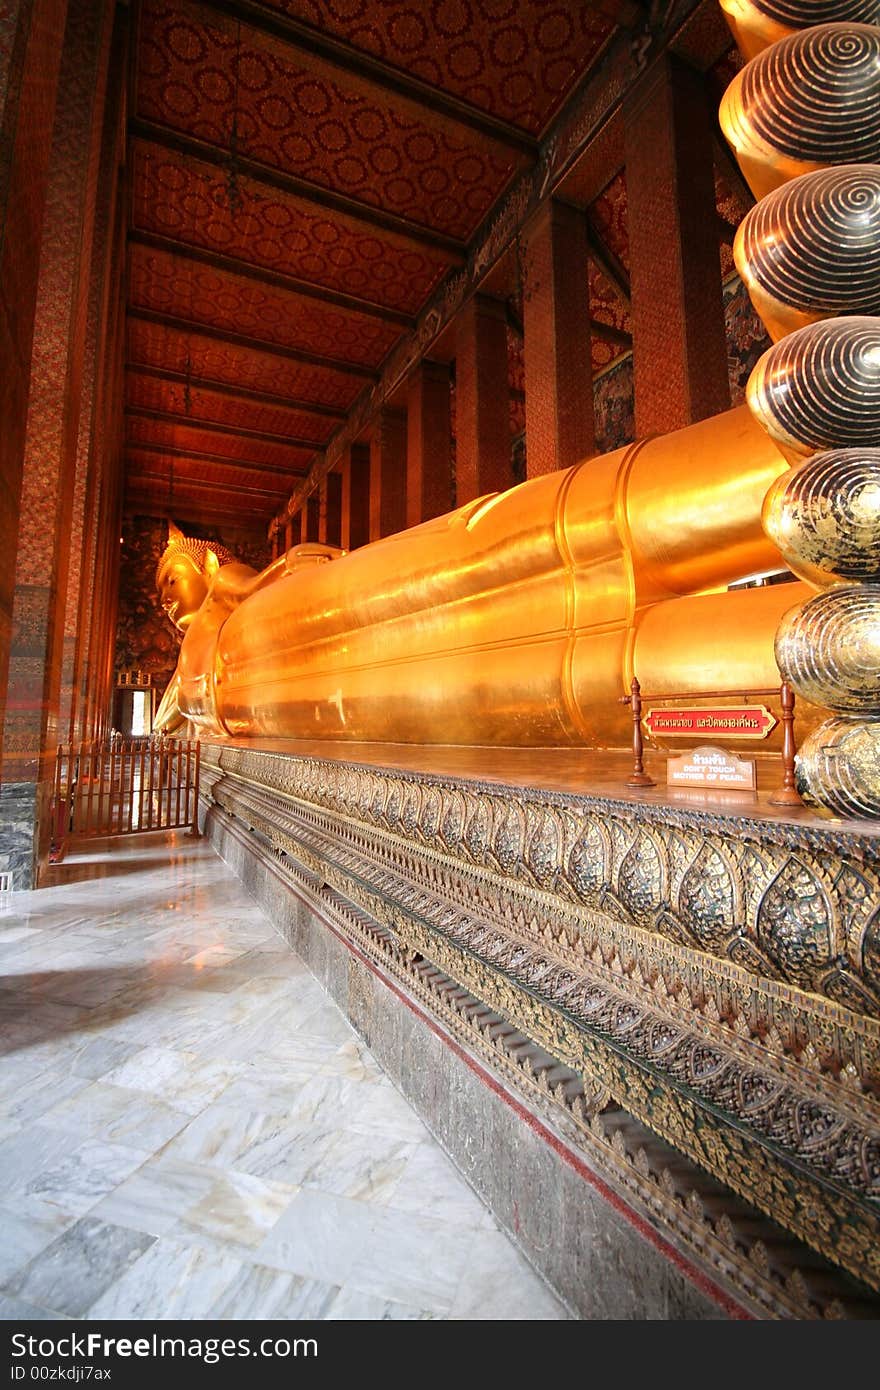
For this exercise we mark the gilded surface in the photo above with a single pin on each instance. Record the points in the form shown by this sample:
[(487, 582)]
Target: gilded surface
[(803, 119), (838, 771), (808, 102), (825, 516), (517, 620), (829, 649), (757, 23), (697, 1009)]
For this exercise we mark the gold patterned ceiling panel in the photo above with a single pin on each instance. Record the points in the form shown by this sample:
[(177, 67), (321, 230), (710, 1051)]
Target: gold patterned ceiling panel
[(212, 77), (211, 359), (516, 59), (233, 412), (173, 285), (196, 204), (303, 177), (192, 437), (153, 466)]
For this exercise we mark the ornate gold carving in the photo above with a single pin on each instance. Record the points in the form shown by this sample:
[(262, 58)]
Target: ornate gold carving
[(766, 1085)]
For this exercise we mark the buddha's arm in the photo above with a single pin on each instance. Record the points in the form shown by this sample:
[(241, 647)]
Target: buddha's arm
[(234, 583)]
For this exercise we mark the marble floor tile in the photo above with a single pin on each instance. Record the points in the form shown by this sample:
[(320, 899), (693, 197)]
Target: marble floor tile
[(119, 1116), (499, 1286), (37, 1095), (26, 1153), (190, 1082), (79, 1178), (347, 1171), (189, 1128), (384, 1111), (431, 1186), (412, 1260), (320, 1237), (16, 1310), (351, 1305), (265, 1143), (171, 1280), (71, 1273), (99, 1057), (156, 1196), (236, 1209), (23, 1236), (259, 1293), (353, 1061)]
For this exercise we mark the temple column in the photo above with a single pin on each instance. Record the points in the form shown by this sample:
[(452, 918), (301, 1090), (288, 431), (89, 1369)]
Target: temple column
[(322, 511), (105, 482), (345, 503), (303, 523), (679, 343), (98, 386), (482, 407), (31, 726), (428, 444), (388, 475), (288, 534), (556, 343), (356, 498), (30, 59)]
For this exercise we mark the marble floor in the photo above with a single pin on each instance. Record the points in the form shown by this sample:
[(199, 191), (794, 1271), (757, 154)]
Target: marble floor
[(189, 1128)]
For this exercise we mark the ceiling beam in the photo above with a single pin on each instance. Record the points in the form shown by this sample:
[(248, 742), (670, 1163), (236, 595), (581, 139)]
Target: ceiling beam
[(612, 268), (220, 460), (223, 335), (138, 412), (233, 266), (204, 485), (609, 334), (375, 70), (241, 393), (278, 179), (204, 513)]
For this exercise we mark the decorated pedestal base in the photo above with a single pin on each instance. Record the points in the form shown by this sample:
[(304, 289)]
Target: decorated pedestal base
[(681, 1005)]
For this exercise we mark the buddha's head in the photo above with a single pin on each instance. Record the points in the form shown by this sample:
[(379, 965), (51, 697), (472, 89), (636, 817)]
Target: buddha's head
[(184, 573)]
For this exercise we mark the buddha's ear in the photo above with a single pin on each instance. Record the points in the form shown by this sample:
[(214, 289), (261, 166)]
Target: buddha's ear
[(174, 532), (212, 564)]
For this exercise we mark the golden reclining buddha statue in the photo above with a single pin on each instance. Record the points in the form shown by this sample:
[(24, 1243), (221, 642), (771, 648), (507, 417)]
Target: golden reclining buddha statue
[(519, 619)]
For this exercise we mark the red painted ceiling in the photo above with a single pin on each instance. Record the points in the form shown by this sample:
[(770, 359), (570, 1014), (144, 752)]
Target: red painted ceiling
[(303, 175)]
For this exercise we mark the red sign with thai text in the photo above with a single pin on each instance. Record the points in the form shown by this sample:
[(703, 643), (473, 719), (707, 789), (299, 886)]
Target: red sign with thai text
[(695, 721)]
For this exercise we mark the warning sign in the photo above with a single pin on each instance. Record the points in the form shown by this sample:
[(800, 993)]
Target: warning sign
[(699, 721), (710, 767)]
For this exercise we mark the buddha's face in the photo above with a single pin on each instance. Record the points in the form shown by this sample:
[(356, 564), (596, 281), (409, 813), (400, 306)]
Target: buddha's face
[(182, 590)]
